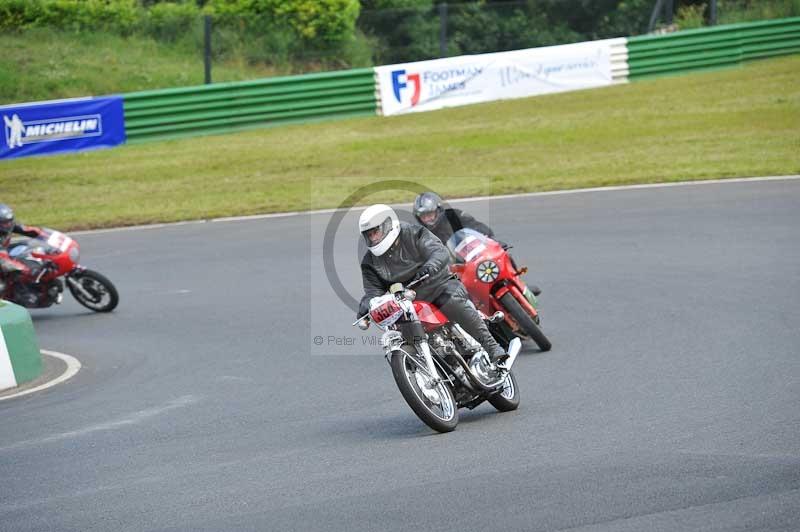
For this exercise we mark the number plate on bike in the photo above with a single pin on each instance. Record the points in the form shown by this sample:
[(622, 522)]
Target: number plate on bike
[(59, 241), (385, 311)]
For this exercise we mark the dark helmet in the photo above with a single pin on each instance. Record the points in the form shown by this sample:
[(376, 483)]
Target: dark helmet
[(425, 204), (6, 221)]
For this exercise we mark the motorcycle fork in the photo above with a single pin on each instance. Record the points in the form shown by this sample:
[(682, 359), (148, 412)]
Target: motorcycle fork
[(76, 285), (415, 335), (518, 295)]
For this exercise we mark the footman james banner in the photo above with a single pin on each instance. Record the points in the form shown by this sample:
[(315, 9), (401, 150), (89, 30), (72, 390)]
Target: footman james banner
[(61, 126), (429, 85)]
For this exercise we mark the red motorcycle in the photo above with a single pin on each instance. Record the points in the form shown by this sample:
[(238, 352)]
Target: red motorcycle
[(436, 364), (50, 257), (495, 284)]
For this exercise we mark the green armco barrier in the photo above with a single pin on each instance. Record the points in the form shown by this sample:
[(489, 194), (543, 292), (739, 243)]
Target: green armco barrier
[(18, 346), (223, 107), (706, 48)]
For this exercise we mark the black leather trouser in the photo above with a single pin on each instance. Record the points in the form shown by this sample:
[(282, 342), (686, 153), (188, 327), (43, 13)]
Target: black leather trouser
[(454, 303)]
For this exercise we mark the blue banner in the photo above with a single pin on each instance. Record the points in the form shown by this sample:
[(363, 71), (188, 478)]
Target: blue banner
[(61, 126)]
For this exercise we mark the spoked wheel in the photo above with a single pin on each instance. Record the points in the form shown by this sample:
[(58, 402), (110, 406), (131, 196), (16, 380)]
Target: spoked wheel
[(93, 290), (432, 402), (525, 321), (508, 399)]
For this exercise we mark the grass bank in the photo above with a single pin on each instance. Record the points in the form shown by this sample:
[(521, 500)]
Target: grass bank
[(728, 123), (43, 64)]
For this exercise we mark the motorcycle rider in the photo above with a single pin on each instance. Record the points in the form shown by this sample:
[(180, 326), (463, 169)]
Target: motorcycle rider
[(9, 266), (401, 252), (443, 222)]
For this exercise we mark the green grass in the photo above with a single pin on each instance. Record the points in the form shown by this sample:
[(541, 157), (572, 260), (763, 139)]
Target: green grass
[(735, 11), (40, 64), (737, 122)]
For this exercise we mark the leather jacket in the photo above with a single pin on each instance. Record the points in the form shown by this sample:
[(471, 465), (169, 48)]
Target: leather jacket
[(415, 249), (451, 220), (25, 230)]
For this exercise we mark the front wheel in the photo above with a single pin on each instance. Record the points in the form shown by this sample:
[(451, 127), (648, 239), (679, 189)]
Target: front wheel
[(525, 321), (508, 398), (93, 290), (433, 403)]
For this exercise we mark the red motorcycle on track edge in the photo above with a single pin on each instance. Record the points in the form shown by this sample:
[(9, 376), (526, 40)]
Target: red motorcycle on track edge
[(54, 257)]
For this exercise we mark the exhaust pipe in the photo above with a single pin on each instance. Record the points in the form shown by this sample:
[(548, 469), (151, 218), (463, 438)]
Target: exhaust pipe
[(514, 347)]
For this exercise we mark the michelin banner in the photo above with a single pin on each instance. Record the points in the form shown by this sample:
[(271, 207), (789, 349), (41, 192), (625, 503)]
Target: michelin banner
[(429, 85), (61, 126)]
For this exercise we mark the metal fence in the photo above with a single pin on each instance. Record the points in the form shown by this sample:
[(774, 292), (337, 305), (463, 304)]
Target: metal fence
[(705, 48), (207, 109)]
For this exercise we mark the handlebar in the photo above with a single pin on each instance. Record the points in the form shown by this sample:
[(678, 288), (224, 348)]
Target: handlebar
[(412, 283)]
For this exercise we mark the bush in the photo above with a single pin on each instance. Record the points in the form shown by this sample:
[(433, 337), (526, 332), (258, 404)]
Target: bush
[(690, 17), (631, 17), (272, 31), (118, 16), (316, 22), (167, 21), (477, 28), (732, 11), (408, 30)]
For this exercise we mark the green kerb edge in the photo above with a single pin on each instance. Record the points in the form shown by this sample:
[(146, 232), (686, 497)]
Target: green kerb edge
[(23, 349)]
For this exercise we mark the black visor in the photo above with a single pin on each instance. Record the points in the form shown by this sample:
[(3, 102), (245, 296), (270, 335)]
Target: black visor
[(6, 227)]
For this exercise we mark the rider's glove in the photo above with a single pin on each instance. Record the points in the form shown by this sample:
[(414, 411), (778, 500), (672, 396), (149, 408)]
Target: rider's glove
[(422, 272), (363, 308)]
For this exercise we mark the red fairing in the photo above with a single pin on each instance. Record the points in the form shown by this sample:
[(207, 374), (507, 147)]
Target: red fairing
[(50, 247), (55, 250), (430, 316), (59, 248), (508, 280), (481, 293)]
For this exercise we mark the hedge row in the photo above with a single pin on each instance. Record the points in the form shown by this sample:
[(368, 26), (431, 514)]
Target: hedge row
[(313, 21)]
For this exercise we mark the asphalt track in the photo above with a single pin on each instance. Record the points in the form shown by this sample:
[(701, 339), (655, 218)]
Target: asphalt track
[(670, 400)]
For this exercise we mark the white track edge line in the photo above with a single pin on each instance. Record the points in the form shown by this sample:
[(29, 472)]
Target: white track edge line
[(73, 366), (454, 200)]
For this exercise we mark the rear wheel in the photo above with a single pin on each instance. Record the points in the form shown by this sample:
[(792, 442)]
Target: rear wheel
[(93, 290), (525, 321), (508, 399), (432, 402)]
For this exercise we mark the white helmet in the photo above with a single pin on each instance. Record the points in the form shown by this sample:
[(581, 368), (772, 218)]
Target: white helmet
[(380, 227)]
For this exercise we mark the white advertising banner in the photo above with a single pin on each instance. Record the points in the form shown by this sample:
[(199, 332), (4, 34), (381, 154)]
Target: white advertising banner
[(429, 85)]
